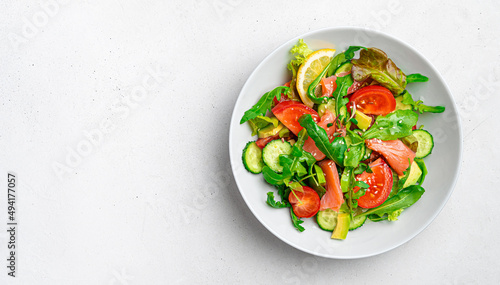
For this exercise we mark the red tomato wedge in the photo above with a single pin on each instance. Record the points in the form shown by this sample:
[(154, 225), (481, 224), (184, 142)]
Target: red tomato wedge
[(380, 182), (333, 197), (283, 97), (310, 145), (289, 112), (373, 100), (395, 152), (307, 204), (328, 85)]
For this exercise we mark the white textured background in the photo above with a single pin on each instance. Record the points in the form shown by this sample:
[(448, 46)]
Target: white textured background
[(152, 200)]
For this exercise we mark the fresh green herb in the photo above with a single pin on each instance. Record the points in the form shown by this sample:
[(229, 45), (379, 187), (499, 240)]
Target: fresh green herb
[(264, 103), (296, 221), (374, 63), (419, 106), (275, 204), (395, 125), (404, 199), (416, 77)]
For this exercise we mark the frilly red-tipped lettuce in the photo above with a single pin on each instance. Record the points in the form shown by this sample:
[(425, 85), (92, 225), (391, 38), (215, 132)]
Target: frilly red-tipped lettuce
[(374, 63)]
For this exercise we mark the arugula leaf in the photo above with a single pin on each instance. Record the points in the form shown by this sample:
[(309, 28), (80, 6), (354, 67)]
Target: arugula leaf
[(361, 184), (300, 52), (334, 150), (343, 84), (274, 178), (296, 221), (342, 58), (377, 218), (260, 122), (273, 203), (404, 199), (419, 106), (416, 77), (374, 63), (293, 161), (362, 167), (393, 126), (355, 151), (264, 103)]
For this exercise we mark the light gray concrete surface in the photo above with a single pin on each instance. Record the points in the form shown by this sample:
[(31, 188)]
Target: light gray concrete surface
[(115, 115)]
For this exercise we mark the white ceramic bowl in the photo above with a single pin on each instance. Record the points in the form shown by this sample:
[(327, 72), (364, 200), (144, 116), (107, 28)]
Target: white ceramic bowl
[(443, 164)]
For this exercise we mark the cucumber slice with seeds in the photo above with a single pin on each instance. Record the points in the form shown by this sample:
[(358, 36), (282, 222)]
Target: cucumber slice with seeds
[(327, 219), (252, 158), (272, 151), (356, 222), (425, 143)]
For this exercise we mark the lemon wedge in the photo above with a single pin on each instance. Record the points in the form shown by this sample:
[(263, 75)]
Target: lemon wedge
[(314, 64)]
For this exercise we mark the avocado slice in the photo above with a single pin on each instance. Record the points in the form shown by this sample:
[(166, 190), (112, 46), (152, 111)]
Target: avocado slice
[(415, 173), (400, 105), (364, 121), (270, 130), (342, 228)]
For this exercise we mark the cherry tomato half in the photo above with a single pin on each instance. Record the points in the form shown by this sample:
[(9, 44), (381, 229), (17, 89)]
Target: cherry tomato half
[(380, 182), (289, 112), (373, 100), (308, 205)]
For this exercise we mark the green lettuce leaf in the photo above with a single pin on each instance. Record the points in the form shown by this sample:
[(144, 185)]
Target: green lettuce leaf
[(374, 63), (300, 52), (393, 126)]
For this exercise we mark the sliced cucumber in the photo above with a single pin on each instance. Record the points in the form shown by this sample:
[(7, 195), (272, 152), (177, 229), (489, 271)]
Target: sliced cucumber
[(272, 151), (356, 222), (327, 219), (252, 158), (425, 143)]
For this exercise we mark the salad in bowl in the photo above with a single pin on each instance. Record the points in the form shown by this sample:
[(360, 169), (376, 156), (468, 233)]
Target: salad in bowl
[(340, 143)]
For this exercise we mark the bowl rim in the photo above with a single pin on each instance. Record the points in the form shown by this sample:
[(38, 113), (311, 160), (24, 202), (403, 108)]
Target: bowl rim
[(375, 33)]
